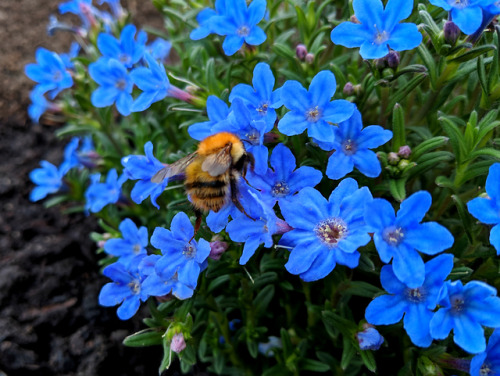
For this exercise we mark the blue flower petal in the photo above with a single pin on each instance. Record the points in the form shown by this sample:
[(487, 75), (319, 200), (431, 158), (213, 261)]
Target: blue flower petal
[(321, 131), (321, 267), (368, 12), (295, 97), (303, 255), (249, 249), (416, 324), (495, 238), (441, 324), (256, 37), (305, 209), (395, 11), (231, 44), (124, 103), (485, 210), (492, 186), (414, 208), (468, 19), (486, 312), (469, 335), (367, 163), (104, 96), (339, 165), (338, 111), (263, 80), (373, 136), (408, 266), (351, 260), (143, 101), (371, 50), (322, 88), (293, 123), (349, 34), (390, 282), (385, 310), (405, 36), (429, 238), (112, 294), (304, 176), (188, 273), (129, 307), (256, 11)]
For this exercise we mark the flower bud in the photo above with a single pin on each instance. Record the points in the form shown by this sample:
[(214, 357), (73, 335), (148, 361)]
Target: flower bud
[(393, 158), (348, 89), (369, 339), (309, 58), (178, 344), (301, 52), (451, 32), (380, 63), (392, 59), (404, 151), (403, 164), (282, 227), (217, 248)]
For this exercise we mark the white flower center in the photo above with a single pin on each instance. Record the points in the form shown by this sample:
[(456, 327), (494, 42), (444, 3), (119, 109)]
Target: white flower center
[(331, 231)]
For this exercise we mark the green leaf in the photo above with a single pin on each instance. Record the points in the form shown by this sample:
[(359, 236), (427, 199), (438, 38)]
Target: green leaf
[(284, 51), (464, 216), (361, 288), (263, 299), (430, 161), (144, 338), (456, 138), (167, 356), (188, 355), (348, 353), (313, 365), (222, 280), (460, 272), (398, 127), (265, 279), (398, 189), (481, 72), (219, 361), (473, 53), (368, 360), (427, 146), (485, 152), (334, 322), (405, 90), (253, 347), (429, 62)]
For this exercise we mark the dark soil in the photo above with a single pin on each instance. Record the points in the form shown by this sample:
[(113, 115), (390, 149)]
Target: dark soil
[(50, 321)]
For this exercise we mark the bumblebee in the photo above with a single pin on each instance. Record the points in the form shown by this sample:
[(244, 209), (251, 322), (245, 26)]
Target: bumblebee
[(211, 173)]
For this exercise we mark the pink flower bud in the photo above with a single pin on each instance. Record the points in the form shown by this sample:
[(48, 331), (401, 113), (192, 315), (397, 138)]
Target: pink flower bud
[(404, 151), (301, 51), (178, 344), (393, 158), (309, 58), (217, 248), (349, 89)]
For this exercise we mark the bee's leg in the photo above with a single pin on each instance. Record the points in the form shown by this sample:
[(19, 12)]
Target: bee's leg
[(197, 224), (234, 198), (251, 162)]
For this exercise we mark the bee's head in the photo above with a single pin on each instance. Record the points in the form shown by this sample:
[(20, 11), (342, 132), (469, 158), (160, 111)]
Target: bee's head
[(217, 141)]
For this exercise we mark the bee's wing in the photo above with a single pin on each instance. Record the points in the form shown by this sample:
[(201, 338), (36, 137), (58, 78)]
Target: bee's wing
[(218, 163), (173, 169)]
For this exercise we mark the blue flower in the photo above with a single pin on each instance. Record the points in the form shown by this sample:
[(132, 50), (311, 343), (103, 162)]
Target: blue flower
[(369, 339), (48, 180), (253, 232), (154, 285), (74, 6), (267, 348), (153, 82), (487, 210), (466, 14), (239, 25), (115, 6), (487, 363), (50, 72), (159, 49), (399, 236), (283, 180), (142, 168), (313, 110), (115, 85), (325, 233), (38, 104), (79, 153), (217, 111), (261, 99), (74, 50), (379, 28), (133, 242), (352, 144), (126, 50), (465, 309), (181, 253), (415, 303), (204, 19), (126, 288), (98, 194)]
